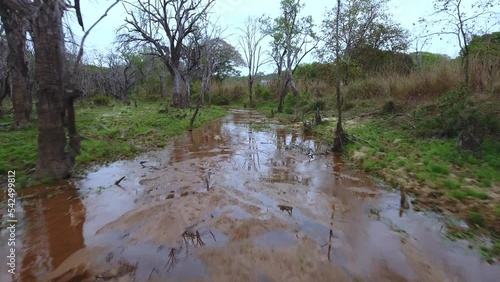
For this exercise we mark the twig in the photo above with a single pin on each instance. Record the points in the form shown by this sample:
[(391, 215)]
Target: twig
[(80, 52), (119, 180)]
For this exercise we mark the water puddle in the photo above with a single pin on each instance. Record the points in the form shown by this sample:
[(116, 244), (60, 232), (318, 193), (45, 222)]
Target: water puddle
[(240, 199)]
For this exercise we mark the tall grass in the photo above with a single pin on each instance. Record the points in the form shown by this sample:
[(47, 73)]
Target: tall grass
[(426, 84)]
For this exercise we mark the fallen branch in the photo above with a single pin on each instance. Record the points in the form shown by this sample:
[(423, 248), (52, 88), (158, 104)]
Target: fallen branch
[(119, 180)]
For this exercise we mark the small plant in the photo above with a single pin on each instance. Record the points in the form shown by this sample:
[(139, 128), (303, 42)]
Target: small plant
[(476, 218), (101, 100)]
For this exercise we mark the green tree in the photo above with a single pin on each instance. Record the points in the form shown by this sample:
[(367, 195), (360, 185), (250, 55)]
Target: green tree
[(292, 39), (364, 24)]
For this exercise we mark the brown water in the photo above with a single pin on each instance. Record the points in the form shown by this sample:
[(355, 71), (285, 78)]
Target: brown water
[(229, 203)]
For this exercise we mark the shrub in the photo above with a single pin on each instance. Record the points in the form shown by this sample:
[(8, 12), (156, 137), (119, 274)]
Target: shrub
[(289, 104), (367, 88), (236, 93), (101, 100), (220, 98), (262, 93)]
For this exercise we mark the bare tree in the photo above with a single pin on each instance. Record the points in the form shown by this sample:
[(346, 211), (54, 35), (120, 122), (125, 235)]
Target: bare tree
[(164, 25), (452, 17), (250, 43), (16, 31)]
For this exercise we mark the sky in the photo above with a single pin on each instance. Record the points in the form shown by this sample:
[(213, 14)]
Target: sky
[(231, 14)]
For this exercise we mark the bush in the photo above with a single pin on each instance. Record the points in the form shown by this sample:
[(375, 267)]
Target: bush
[(220, 99), (101, 100), (367, 88), (263, 93), (289, 104), (236, 93)]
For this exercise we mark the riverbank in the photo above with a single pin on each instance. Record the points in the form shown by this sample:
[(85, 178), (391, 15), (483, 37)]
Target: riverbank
[(109, 133), (437, 174)]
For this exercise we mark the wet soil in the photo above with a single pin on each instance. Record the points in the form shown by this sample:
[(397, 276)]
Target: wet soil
[(230, 203)]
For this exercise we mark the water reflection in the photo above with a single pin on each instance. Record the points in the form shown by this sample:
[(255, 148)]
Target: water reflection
[(54, 220)]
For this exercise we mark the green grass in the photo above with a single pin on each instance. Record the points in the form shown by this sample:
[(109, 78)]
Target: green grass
[(476, 194), (451, 184), (109, 133), (476, 218)]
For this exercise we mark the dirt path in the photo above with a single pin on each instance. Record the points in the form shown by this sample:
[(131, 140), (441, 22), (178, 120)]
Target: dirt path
[(230, 203)]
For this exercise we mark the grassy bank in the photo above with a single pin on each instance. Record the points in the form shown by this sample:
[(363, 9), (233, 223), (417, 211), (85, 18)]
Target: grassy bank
[(418, 150), (109, 133)]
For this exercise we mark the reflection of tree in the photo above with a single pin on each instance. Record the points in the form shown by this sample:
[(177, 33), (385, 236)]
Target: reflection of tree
[(196, 141), (282, 168), (54, 230), (252, 161), (189, 238), (172, 260), (331, 232)]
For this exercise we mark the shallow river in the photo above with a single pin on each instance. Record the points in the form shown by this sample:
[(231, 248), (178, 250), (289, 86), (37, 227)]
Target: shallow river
[(241, 199)]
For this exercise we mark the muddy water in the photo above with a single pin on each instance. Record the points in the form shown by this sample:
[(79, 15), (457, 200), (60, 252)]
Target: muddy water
[(241, 199)]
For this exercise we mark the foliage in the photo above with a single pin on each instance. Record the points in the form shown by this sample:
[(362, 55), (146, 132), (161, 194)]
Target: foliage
[(366, 88), (372, 61), (428, 60), (101, 100), (486, 46), (315, 71), (454, 114), (263, 93), (290, 103)]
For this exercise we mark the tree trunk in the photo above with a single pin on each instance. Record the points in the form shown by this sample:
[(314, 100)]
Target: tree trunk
[(205, 88), (339, 137), (16, 39), (56, 156), (466, 68), (4, 91), (282, 92), (250, 89), (293, 84), (178, 101)]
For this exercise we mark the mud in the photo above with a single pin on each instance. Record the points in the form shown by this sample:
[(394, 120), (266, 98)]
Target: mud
[(230, 203)]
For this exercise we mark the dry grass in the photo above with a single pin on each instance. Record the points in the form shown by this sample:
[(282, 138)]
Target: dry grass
[(426, 84)]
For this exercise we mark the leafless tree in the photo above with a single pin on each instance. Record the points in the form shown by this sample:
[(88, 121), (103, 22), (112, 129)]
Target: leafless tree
[(250, 44), (164, 25)]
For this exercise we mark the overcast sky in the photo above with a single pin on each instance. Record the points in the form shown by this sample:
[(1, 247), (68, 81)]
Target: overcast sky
[(232, 14)]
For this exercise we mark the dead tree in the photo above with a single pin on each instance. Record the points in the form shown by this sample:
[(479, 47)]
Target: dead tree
[(250, 44), (163, 25)]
